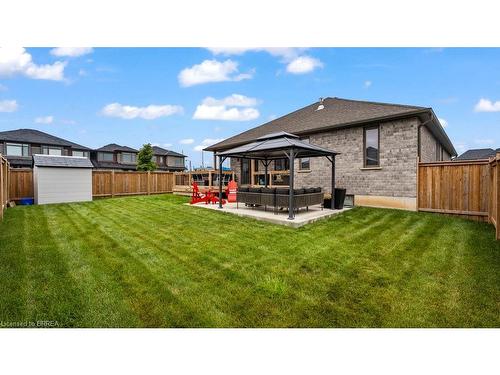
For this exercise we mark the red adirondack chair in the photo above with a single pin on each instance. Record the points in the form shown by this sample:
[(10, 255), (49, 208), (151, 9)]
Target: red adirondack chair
[(206, 197)]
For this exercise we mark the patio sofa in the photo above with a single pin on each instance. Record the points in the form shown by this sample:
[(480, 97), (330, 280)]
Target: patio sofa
[(278, 197)]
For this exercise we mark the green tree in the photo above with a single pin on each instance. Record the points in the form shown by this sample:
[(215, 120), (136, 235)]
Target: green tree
[(145, 158)]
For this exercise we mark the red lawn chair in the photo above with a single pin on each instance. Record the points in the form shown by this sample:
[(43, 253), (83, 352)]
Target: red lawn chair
[(207, 196)]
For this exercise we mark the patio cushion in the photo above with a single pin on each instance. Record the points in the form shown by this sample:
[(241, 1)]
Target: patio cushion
[(254, 190), (310, 190), (243, 188), (281, 191), (298, 191), (317, 190)]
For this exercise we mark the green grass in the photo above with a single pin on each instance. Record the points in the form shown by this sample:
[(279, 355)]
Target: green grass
[(155, 262)]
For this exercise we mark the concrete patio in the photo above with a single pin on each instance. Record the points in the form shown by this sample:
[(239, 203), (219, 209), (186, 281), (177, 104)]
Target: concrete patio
[(302, 217)]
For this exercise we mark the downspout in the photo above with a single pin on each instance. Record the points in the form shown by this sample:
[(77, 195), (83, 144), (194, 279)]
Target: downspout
[(418, 133)]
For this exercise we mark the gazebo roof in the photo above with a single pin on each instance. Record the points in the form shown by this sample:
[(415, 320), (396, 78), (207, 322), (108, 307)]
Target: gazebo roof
[(274, 146)]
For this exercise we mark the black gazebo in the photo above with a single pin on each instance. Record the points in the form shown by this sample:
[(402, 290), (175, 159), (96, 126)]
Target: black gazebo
[(275, 146)]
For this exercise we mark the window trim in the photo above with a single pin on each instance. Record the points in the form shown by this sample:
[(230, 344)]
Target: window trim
[(365, 128), (101, 153), (15, 144)]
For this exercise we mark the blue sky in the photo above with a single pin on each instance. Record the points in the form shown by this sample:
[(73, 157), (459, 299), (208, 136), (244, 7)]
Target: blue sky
[(186, 98)]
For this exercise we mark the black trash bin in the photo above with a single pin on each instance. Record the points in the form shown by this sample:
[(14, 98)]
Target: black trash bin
[(339, 199)]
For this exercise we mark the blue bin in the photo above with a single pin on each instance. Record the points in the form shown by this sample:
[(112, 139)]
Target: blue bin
[(26, 201)]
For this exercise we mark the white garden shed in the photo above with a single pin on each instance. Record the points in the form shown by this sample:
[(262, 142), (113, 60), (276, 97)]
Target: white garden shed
[(59, 179)]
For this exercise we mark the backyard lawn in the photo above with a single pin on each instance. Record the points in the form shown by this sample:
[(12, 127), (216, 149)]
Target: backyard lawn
[(155, 262)]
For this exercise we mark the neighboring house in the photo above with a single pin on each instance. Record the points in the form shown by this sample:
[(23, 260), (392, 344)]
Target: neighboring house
[(113, 156), (167, 160), (20, 145), (378, 144), (478, 153)]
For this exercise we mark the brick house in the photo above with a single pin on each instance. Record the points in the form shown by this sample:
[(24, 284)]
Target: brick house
[(20, 145), (379, 144)]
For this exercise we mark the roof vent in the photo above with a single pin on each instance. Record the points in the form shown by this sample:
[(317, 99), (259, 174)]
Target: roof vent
[(321, 105)]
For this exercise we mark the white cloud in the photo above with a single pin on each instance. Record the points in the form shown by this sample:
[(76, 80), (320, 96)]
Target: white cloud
[(167, 145), (368, 84), (14, 61), (211, 71), (44, 120), (226, 109), (486, 105), (8, 106), (71, 51), (186, 141), (443, 122), (287, 54), (150, 112), (207, 142), (236, 100), (297, 62), (303, 64), (487, 141), (3, 87)]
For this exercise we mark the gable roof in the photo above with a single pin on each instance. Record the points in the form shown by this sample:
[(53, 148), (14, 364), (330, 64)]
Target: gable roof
[(61, 161), (336, 113), (478, 153), (112, 147), (36, 136), (161, 151)]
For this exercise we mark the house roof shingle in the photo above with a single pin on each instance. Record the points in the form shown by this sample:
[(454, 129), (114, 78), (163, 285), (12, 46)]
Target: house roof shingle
[(478, 153), (336, 113), (38, 137), (112, 147), (161, 151)]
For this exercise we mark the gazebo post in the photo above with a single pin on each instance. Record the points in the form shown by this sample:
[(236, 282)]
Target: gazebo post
[(290, 190), (332, 204), (265, 172), (221, 160)]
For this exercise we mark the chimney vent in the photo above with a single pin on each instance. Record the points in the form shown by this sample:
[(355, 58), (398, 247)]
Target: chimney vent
[(321, 105)]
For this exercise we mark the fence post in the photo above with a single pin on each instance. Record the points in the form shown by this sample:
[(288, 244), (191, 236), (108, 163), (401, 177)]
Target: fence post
[(112, 184), (497, 182), (1, 187), (149, 182)]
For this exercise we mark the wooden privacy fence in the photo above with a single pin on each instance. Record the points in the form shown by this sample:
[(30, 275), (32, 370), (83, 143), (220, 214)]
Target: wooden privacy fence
[(21, 183), (4, 184), (117, 183), (468, 189)]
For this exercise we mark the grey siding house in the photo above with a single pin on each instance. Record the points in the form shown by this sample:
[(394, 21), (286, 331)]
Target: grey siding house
[(379, 145), (20, 145)]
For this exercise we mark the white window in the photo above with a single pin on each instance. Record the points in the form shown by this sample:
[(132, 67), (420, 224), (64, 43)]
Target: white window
[(51, 150), (128, 157), (17, 149), (174, 161), (105, 156), (84, 154)]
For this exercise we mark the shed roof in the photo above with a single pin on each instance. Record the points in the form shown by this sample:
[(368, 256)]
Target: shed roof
[(61, 161), (273, 147), (337, 113)]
